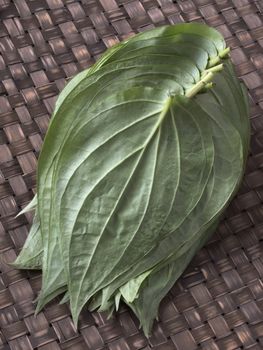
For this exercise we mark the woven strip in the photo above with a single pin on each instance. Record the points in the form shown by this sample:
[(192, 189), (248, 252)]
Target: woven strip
[(218, 302)]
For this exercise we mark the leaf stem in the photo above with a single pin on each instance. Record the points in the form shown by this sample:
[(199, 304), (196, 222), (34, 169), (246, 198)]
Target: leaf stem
[(166, 107), (214, 61), (224, 53), (200, 85), (214, 69), (207, 76)]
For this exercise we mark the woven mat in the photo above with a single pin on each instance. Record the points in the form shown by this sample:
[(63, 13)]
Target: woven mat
[(218, 303)]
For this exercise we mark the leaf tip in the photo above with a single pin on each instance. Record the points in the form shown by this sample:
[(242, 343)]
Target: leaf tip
[(75, 319)]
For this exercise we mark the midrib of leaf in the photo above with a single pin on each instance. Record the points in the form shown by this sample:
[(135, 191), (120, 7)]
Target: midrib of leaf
[(142, 148), (185, 218), (166, 108), (174, 196), (169, 210), (159, 121)]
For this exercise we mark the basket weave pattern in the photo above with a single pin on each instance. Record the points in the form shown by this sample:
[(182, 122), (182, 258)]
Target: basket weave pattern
[(218, 302)]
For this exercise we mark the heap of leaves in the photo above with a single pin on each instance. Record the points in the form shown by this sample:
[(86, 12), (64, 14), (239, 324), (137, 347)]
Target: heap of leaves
[(143, 153)]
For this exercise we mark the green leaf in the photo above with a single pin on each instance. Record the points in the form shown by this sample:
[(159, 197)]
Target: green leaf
[(141, 76), (129, 291), (31, 206), (137, 167), (65, 298), (31, 254)]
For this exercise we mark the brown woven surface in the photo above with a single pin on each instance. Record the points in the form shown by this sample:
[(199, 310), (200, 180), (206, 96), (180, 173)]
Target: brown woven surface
[(218, 302)]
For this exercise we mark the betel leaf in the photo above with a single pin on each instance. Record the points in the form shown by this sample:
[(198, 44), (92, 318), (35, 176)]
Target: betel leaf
[(56, 277), (143, 153)]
